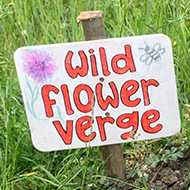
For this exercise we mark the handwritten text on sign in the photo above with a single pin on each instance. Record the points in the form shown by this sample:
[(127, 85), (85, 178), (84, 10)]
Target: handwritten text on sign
[(99, 92)]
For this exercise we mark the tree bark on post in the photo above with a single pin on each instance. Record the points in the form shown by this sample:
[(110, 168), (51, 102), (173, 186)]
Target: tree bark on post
[(93, 28)]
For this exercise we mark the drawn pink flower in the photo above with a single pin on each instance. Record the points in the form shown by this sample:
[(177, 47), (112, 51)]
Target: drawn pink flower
[(39, 65)]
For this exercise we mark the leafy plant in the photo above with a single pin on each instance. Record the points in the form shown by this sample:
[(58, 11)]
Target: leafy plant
[(167, 155)]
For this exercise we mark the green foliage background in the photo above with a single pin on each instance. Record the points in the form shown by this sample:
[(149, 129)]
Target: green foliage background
[(54, 21)]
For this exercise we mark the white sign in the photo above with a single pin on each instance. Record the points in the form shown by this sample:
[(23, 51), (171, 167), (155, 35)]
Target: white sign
[(99, 92)]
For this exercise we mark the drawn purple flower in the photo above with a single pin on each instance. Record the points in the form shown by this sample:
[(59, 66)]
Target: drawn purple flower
[(40, 65)]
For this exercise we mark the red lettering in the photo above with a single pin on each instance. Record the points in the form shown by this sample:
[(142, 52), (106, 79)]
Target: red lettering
[(83, 108), (104, 61), (82, 125), (104, 103), (132, 120), (65, 92), (73, 73), (149, 117), (93, 63), (101, 121), (65, 135), (128, 89), (46, 100), (145, 85), (127, 57)]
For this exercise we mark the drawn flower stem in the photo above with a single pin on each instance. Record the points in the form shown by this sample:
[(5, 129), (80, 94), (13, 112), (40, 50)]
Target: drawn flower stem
[(34, 96)]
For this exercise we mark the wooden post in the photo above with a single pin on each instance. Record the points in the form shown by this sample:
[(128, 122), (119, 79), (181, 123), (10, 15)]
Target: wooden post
[(93, 28)]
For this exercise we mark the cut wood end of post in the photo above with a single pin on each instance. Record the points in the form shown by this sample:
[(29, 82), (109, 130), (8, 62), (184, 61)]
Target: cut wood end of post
[(89, 15)]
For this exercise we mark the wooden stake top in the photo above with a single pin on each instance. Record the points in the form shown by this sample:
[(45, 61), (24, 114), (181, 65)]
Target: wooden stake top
[(88, 15)]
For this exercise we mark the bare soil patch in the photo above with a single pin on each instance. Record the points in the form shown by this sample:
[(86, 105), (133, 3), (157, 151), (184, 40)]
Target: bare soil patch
[(175, 175)]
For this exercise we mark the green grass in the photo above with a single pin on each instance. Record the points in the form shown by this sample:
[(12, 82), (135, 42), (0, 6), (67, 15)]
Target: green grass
[(54, 21)]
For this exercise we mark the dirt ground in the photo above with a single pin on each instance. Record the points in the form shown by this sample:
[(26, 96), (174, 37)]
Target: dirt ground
[(170, 176), (174, 175)]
